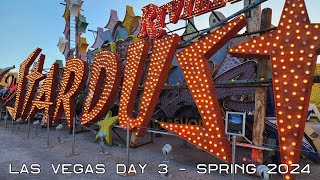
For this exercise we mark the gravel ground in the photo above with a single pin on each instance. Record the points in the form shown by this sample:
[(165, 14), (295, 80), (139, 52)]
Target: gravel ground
[(17, 149)]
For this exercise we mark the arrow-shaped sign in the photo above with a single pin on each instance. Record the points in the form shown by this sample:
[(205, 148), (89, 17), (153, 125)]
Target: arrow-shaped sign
[(196, 70)]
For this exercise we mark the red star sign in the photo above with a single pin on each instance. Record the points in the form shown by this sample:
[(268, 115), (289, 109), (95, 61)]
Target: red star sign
[(292, 49), (196, 70)]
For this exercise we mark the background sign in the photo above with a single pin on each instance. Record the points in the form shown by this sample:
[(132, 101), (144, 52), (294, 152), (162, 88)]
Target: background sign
[(235, 123)]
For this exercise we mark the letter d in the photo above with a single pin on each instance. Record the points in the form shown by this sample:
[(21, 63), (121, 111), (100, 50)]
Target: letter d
[(118, 168)]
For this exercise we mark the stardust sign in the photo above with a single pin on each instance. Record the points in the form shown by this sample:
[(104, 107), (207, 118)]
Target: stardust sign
[(153, 17), (292, 49)]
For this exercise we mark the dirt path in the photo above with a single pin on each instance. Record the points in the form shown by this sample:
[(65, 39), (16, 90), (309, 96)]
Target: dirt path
[(17, 149)]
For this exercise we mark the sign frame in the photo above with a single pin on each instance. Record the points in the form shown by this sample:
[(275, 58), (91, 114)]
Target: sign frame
[(243, 123)]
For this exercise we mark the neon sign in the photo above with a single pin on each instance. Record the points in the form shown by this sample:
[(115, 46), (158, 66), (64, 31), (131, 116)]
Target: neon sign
[(160, 61), (153, 16), (194, 64), (46, 96), (75, 75), (22, 85), (34, 79), (292, 49), (11, 90), (106, 69)]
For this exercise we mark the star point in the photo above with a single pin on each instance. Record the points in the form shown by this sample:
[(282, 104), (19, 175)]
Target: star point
[(211, 136), (292, 49), (106, 126)]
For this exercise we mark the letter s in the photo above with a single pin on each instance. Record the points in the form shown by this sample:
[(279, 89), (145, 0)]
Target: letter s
[(100, 169), (35, 168), (202, 167)]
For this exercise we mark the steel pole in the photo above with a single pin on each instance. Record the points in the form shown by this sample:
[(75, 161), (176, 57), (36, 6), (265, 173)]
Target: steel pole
[(73, 139), (73, 134), (48, 133), (6, 119), (28, 127), (128, 145), (234, 141), (12, 125)]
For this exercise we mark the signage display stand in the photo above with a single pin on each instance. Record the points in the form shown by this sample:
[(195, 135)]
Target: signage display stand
[(48, 133), (235, 126), (73, 140), (29, 127), (5, 119)]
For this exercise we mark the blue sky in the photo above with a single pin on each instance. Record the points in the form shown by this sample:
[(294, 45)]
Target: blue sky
[(26, 25)]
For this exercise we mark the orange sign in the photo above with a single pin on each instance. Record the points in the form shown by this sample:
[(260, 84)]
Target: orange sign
[(47, 94), (195, 67), (160, 62), (292, 49), (75, 75), (106, 71), (16, 112), (34, 79)]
